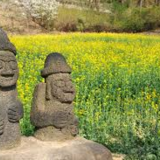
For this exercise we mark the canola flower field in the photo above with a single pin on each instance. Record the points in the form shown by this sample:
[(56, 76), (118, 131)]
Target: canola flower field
[(117, 79)]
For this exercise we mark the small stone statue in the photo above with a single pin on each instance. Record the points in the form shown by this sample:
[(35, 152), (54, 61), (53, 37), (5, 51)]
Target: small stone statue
[(52, 107), (11, 110)]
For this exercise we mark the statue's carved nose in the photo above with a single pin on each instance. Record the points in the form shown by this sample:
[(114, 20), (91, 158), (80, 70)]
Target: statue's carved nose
[(7, 71), (69, 88)]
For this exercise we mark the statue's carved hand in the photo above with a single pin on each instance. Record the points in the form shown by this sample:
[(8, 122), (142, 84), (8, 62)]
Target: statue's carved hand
[(1, 125), (13, 114), (74, 130)]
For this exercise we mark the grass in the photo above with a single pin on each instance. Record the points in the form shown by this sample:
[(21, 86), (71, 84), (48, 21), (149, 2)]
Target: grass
[(117, 78), (72, 19)]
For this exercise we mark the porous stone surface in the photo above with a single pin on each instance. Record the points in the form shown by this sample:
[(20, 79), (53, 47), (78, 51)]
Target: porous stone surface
[(77, 149), (5, 44), (52, 108), (11, 110)]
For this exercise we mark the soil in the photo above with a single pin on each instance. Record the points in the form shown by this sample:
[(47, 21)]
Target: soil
[(153, 32), (118, 157), (77, 148)]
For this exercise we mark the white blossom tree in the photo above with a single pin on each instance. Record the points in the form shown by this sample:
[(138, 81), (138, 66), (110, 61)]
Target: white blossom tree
[(42, 12)]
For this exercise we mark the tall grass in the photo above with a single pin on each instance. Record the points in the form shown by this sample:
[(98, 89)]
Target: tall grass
[(72, 19)]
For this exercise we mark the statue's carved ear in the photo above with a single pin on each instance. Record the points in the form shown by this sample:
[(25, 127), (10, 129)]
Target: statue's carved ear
[(48, 90)]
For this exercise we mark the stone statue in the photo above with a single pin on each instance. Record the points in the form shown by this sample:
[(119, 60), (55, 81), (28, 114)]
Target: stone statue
[(5, 44), (52, 107), (11, 110)]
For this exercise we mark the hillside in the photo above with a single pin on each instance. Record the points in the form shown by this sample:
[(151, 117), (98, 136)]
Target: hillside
[(84, 16), (13, 21)]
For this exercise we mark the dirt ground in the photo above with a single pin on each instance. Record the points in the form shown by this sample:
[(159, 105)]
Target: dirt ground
[(118, 157), (154, 32)]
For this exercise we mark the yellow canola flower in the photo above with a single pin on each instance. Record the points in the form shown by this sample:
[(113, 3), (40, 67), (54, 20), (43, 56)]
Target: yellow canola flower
[(116, 77)]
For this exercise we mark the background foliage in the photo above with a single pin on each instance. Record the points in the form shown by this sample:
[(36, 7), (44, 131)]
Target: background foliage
[(81, 15), (42, 11), (117, 78)]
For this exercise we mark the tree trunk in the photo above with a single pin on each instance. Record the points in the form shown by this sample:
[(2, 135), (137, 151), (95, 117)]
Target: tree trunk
[(97, 5), (140, 3), (94, 4), (157, 2)]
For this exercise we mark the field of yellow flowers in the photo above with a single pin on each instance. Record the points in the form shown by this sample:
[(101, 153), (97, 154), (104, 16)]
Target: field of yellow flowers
[(117, 78)]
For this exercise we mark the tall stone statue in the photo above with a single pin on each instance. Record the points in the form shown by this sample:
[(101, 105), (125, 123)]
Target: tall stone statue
[(52, 108), (11, 110)]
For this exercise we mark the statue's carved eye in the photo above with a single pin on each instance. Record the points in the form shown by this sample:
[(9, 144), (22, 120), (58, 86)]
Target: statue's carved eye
[(1, 64), (58, 63), (13, 65)]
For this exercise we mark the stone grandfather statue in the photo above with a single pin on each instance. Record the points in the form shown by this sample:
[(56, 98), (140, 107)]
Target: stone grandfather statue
[(52, 108), (52, 115), (11, 110)]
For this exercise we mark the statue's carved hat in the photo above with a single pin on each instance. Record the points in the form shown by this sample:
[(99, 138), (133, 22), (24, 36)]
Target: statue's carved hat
[(5, 44), (55, 63)]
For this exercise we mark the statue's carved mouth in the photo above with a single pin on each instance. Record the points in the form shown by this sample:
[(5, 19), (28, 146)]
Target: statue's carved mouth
[(68, 92), (65, 91), (8, 75)]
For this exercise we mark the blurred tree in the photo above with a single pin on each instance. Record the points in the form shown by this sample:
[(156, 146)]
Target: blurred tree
[(42, 12), (157, 2), (94, 4)]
